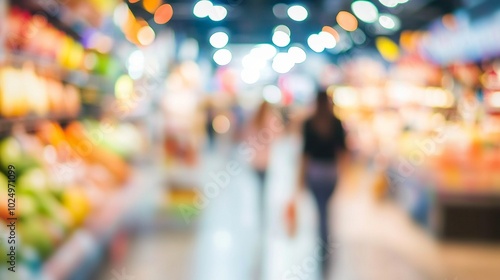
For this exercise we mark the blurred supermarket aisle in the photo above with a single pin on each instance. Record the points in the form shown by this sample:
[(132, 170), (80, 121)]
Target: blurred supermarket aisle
[(227, 243)]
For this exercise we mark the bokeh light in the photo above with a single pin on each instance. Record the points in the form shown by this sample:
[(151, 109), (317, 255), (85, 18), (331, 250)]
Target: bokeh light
[(297, 54), (389, 21), (387, 48), (146, 35), (280, 38), (297, 12), (332, 31), (202, 8), (327, 39), (280, 10), (219, 39), (163, 14), (365, 11), (221, 124), (389, 3), (271, 94), (315, 43), (223, 57), (282, 63), (250, 75), (347, 21), (151, 5), (217, 13)]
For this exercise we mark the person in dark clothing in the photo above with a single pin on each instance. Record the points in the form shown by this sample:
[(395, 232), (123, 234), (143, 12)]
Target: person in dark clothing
[(324, 150)]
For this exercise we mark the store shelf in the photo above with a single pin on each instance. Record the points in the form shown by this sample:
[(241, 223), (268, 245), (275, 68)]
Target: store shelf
[(76, 77), (85, 243), (29, 122)]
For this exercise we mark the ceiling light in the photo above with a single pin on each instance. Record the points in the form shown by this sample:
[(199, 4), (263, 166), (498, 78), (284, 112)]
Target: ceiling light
[(327, 39), (281, 39), (280, 10), (389, 21), (347, 21), (250, 76), (282, 63), (217, 13), (222, 57), (219, 40), (389, 3), (315, 43), (365, 11), (271, 94), (202, 8), (163, 14), (297, 54), (297, 13), (146, 35), (264, 51)]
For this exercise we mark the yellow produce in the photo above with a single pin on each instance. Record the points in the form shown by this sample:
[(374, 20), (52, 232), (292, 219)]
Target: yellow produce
[(77, 203)]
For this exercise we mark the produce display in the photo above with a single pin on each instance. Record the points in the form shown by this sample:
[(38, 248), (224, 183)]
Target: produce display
[(64, 175), (57, 70), (24, 92), (443, 134)]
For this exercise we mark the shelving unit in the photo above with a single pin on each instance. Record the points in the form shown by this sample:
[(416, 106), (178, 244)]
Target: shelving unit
[(82, 250)]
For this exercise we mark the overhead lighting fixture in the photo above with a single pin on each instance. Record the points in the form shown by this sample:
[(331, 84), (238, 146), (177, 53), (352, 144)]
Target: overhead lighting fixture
[(253, 61), (271, 94), (297, 12), (163, 14), (327, 39), (151, 5), (282, 63), (219, 39), (120, 14), (202, 8), (280, 10), (389, 21), (146, 35), (283, 28), (387, 48), (135, 64), (265, 51), (217, 13), (347, 21), (332, 31), (281, 39), (365, 11), (389, 3), (297, 54), (222, 57), (250, 76), (315, 43)]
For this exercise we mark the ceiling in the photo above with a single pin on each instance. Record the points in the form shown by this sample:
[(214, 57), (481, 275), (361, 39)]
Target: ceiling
[(252, 21)]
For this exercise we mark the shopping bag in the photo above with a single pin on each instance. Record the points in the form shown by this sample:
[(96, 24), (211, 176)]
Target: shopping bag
[(291, 218)]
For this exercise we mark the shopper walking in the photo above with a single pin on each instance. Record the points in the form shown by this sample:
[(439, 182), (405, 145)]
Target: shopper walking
[(323, 151), (263, 130)]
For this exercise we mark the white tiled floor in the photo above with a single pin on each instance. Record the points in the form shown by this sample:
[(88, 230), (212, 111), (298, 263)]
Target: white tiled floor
[(373, 240), (229, 239)]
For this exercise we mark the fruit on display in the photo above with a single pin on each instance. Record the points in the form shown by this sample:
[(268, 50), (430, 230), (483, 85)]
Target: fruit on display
[(23, 92), (77, 137), (13, 99), (48, 209)]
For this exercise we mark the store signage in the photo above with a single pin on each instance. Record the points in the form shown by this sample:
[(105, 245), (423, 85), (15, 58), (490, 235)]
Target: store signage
[(466, 43)]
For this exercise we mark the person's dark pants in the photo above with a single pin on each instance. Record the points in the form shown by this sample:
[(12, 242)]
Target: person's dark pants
[(261, 175), (322, 188)]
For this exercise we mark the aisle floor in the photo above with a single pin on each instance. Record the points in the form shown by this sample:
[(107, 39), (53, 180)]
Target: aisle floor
[(372, 240)]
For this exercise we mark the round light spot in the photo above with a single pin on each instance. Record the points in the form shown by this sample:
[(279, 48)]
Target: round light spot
[(222, 57), (297, 13), (219, 40), (221, 124), (365, 11)]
